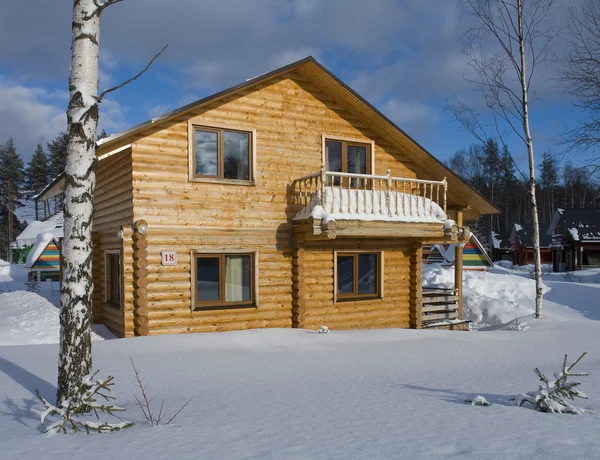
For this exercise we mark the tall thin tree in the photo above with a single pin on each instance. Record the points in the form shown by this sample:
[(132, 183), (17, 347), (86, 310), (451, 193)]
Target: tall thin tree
[(506, 42), (75, 356)]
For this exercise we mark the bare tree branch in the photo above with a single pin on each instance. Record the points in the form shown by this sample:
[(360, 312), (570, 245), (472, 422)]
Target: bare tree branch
[(135, 77)]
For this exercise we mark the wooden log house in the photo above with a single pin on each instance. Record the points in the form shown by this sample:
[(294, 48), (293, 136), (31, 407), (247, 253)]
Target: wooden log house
[(286, 201)]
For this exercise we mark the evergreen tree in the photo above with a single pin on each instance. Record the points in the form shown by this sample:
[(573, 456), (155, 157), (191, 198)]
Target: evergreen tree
[(36, 175), (102, 135), (57, 155), (12, 177), (548, 182)]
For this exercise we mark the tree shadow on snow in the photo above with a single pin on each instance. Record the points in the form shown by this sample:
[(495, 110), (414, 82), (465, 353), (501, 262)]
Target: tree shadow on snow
[(26, 409), (458, 397)]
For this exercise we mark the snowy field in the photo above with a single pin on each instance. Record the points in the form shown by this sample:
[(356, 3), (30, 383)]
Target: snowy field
[(286, 393)]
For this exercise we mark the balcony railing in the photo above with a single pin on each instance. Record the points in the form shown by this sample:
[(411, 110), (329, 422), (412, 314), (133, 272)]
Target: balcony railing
[(370, 197)]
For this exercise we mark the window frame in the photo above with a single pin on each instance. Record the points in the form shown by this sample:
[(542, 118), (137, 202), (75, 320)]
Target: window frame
[(221, 304), (337, 297), (108, 279), (193, 177), (349, 141)]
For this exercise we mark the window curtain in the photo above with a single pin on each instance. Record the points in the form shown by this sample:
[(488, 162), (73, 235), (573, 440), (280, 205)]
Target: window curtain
[(234, 274)]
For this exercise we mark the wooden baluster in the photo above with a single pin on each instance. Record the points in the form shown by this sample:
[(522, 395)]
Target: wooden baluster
[(323, 181), (437, 199), (404, 197), (364, 209), (397, 198), (388, 191)]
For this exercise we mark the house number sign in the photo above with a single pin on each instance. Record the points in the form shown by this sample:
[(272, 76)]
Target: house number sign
[(169, 257)]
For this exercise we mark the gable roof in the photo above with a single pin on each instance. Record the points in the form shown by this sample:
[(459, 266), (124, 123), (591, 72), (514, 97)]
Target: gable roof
[(501, 240), (525, 235), (458, 191), (582, 224)]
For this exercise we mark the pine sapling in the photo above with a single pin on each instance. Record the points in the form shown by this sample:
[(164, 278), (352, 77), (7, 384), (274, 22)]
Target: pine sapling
[(555, 396), (76, 413)]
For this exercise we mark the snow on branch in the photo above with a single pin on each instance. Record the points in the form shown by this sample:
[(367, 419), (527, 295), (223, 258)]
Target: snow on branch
[(76, 413), (554, 396), (135, 77)]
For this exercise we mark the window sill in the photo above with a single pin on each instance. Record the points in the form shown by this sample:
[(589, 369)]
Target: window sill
[(224, 307), (216, 180), (358, 299)]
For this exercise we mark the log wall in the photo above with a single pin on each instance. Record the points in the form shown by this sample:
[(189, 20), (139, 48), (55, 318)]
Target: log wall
[(393, 310), (113, 211)]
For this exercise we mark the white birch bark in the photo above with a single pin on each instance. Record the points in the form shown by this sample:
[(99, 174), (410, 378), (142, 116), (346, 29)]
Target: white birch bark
[(531, 159), (75, 355)]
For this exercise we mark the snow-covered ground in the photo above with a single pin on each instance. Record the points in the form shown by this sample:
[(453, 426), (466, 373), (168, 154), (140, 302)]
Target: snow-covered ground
[(28, 318), (287, 393)]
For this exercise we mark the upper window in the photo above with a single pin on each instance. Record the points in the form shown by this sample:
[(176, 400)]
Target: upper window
[(347, 157), (113, 279), (224, 280), (222, 153), (358, 275)]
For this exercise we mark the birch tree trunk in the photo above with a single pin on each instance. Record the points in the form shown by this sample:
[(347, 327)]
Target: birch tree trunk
[(75, 355), (531, 158)]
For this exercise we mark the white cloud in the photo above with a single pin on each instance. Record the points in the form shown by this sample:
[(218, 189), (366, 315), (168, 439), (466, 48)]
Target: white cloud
[(159, 109), (30, 115), (411, 116), (112, 116), (288, 56)]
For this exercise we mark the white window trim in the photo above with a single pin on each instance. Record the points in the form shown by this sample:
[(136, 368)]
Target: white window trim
[(215, 180), (325, 137), (254, 252), (354, 251), (107, 252)]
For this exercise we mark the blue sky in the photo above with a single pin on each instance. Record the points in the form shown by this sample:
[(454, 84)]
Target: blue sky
[(403, 56)]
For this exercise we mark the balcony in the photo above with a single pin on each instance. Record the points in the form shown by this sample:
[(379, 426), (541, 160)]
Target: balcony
[(332, 204)]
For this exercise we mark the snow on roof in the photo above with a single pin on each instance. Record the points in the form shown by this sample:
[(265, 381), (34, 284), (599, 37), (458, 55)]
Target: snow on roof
[(53, 224), (368, 205), (582, 224), (38, 248)]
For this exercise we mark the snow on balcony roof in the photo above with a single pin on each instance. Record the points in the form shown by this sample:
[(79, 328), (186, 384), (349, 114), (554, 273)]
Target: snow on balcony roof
[(367, 205)]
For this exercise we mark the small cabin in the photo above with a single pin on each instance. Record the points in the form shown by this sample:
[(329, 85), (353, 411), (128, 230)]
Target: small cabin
[(43, 260), (285, 201), (475, 256), (575, 235), (521, 240)]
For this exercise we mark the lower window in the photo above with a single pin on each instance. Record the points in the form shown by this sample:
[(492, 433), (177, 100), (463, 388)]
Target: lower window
[(223, 280), (113, 279), (358, 275)]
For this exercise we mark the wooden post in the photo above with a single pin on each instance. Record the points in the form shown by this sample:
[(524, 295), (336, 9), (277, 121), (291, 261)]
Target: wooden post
[(140, 278), (458, 266), (416, 285), (298, 286), (445, 187)]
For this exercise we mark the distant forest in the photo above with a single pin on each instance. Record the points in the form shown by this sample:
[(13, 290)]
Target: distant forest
[(490, 170)]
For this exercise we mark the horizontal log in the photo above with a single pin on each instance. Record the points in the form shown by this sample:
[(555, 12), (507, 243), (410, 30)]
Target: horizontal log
[(439, 316), (439, 308)]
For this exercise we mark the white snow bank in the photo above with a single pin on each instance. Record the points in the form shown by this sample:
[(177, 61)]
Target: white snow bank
[(371, 205), (27, 318), (489, 299)]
